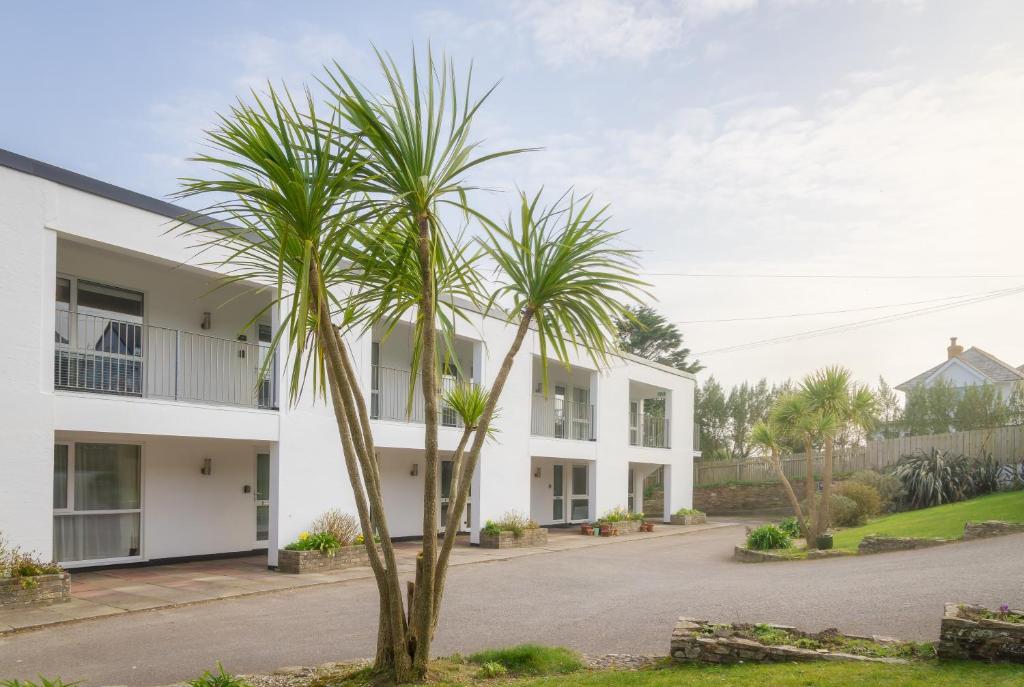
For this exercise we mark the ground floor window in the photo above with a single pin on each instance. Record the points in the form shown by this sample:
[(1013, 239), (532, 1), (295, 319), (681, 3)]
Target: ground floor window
[(97, 501)]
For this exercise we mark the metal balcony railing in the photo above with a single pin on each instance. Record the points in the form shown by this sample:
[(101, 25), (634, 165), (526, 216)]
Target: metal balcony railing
[(107, 356), (562, 419), (650, 431), (389, 397), (696, 437)]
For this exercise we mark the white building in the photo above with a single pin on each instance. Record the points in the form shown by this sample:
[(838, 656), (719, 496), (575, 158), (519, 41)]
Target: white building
[(970, 367), (133, 428)]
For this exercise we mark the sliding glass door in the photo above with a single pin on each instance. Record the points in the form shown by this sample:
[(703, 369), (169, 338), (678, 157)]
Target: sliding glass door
[(97, 502)]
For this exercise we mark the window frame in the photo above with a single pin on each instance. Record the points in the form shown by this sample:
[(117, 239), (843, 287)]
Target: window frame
[(70, 509)]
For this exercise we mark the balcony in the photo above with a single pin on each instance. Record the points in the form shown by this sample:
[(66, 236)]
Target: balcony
[(390, 399), (559, 418), (101, 355), (649, 431)]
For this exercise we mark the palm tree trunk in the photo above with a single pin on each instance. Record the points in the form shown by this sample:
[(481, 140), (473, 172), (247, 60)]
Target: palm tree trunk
[(469, 467), (811, 532), (826, 489), (790, 494), (421, 614), (363, 477)]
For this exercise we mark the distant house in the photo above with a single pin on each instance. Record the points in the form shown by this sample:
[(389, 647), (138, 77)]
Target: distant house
[(964, 368)]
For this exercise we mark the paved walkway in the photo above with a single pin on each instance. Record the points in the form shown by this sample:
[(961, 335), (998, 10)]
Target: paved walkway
[(617, 598), (116, 591)]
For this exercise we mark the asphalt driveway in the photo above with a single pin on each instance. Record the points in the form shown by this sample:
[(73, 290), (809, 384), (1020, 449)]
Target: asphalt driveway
[(622, 598)]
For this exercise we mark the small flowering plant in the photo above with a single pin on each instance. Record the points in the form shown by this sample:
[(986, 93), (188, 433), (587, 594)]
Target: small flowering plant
[(1004, 614)]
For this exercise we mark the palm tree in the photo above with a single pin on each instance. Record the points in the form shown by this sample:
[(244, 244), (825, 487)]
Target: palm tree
[(767, 435), (793, 416), (316, 206), (831, 394)]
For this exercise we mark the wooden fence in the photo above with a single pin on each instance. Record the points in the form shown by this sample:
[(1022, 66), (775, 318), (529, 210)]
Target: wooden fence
[(1004, 443)]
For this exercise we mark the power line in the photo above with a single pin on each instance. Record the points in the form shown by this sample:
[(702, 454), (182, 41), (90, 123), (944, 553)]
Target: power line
[(836, 312), (755, 275), (849, 326)]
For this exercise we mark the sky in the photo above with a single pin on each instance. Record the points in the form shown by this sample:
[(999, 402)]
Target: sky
[(768, 158)]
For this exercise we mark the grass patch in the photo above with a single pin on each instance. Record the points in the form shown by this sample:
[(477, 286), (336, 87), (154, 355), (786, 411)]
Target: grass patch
[(531, 659), (946, 521), (922, 674)]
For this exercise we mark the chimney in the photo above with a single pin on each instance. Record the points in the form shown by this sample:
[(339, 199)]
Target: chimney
[(954, 349)]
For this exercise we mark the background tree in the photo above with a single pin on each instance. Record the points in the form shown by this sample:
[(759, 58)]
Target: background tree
[(980, 406), (712, 417), (931, 409), (645, 332), (1015, 406), (890, 411)]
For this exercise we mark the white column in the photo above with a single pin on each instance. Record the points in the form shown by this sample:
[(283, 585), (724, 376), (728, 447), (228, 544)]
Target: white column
[(274, 539), (474, 507), (595, 400), (669, 502)]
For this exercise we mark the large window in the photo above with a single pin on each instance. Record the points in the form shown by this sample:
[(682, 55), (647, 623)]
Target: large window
[(97, 502), (98, 337)]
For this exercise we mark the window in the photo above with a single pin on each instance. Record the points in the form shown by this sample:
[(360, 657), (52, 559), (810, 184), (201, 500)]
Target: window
[(581, 414), (60, 476), (97, 494), (580, 504), (98, 336)]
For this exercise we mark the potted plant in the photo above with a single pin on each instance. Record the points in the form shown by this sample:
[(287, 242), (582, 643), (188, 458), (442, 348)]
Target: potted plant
[(608, 529), (586, 528), (824, 541), (647, 526)]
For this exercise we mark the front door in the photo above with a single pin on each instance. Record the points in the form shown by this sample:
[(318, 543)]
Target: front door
[(558, 494), (447, 477), (262, 498), (574, 490)]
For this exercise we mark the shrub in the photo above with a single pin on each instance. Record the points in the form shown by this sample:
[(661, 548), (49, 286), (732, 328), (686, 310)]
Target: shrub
[(635, 516), (842, 511), (888, 486), (324, 542), (343, 526), (43, 682), (514, 522), (866, 497), (491, 527), (359, 540), (845, 512), (767, 537), (617, 514), (221, 679), (531, 659), (491, 669), (931, 478), (688, 511), (791, 527), (17, 563)]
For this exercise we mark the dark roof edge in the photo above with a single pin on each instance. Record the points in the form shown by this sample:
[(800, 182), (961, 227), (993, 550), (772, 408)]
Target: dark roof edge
[(80, 182)]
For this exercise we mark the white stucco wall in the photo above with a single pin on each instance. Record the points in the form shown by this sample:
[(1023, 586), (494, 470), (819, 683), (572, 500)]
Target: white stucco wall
[(187, 513)]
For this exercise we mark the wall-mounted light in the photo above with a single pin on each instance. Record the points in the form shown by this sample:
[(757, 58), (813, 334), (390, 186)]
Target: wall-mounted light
[(205, 323), (415, 469), (207, 468), (536, 472)]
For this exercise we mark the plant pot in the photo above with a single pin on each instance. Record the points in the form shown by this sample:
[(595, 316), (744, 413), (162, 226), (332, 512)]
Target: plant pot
[(647, 527), (586, 529), (824, 541), (608, 530)]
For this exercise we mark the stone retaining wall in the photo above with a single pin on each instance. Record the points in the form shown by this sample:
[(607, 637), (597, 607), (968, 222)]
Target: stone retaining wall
[(695, 519), (41, 589), (698, 641), (745, 555), (991, 528), (985, 640), (506, 539), (876, 544), (744, 499), (296, 562)]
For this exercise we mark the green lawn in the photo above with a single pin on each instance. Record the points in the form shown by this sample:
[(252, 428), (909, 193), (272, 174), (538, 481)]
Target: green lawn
[(941, 521), (930, 674)]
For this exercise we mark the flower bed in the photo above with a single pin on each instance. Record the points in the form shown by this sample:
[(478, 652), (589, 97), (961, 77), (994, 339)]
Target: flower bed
[(507, 539), (689, 516), (296, 562), (699, 641), (25, 579), (975, 632), (35, 589)]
